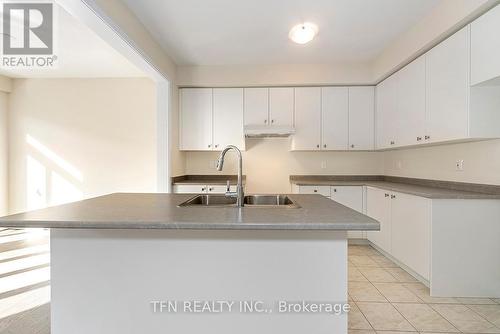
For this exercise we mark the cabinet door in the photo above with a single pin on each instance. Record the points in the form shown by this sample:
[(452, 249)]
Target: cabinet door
[(447, 88), (485, 47), (190, 189), (378, 206), (281, 106), (411, 223), (352, 197), (196, 119), (256, 105), (321, 190), (228, 118), (411, 104), (334, 118), (361, 118), (307, 119), (386, 112)]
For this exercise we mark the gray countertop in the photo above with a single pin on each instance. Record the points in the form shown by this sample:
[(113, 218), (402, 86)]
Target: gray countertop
[(422, 190), (161, 211), (216, 179)]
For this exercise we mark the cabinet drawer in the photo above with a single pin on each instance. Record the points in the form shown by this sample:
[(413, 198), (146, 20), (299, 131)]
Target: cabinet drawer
[(321, 190), (190, 188), (219, 189)]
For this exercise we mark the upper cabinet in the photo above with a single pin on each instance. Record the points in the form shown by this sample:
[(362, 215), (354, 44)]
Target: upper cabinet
[(281, 102), (447, 88), (196, 119), (431, 100), (211, 118), (485, 48), (361, 118), (333, 118), (256, 106)]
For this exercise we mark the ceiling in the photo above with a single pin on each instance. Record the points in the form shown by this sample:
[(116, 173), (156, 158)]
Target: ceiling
[(255, 32), (80, 54)]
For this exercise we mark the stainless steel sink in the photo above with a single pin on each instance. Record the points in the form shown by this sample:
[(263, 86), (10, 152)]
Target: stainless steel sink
[(269, 201), (250, 201)]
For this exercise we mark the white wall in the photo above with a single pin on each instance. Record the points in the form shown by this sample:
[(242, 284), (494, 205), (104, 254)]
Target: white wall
[(3, 153), (481, 162), (78, 138), (268, 163)]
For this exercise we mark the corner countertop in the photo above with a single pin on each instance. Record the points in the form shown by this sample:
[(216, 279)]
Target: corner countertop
[(161, 211), (432, 189)]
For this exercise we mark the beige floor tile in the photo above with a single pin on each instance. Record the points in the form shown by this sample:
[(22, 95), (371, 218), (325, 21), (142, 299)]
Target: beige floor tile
[(360, 331), (383, 316), (424, 318), (476, 301), (365, 292), (383, 262), (396, 332), (489, 312), (362, 261), (422, 292), (377, 274), (397, 293), (401, 275), (356, 319), (349, 298), (355, 275), (496, 300), (362, 250), (465, 319)]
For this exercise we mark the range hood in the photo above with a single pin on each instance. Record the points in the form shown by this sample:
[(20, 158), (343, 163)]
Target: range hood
[(263, 131)]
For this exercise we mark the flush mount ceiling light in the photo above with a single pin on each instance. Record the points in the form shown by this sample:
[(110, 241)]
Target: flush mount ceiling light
[(303, 33)]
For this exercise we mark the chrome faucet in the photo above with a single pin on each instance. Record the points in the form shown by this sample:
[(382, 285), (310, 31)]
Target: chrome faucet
[(239, 188)]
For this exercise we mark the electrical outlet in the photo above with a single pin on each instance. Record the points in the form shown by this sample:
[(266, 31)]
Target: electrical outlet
[(323, 164), (459, 165)]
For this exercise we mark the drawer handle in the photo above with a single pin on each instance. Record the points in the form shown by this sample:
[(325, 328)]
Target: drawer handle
[(334, 190), (386, 195), (315, 190), (427, 137), (419, 138), (393, 196)]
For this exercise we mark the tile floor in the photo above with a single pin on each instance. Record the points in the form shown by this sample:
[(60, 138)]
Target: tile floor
[(385, 299)]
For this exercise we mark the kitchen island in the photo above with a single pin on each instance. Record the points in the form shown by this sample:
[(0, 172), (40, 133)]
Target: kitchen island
[(140, 263)]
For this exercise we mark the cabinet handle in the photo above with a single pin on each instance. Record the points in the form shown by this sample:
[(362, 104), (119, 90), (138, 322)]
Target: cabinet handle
[(419, 138), (203, 189), (210, 189), (315, 190), (272, 121), (352, 145), (209, 145), (317, 146), (334, 190), (216, 145), (427, 137), (265, 121), (324, 145), (392, 142), (393, 196), (386, 195)]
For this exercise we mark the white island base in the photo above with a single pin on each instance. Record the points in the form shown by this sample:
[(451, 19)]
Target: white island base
[(104, 281)]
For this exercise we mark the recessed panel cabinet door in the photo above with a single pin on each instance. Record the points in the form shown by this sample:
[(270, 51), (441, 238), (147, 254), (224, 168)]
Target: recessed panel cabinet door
[(352, 197), (447, 76), (378, 206), (307, 119), (386, 110), (361, 118), (256, 106), (411, 232), (228, 118), (281, 106), (335, 118), (196, 119)]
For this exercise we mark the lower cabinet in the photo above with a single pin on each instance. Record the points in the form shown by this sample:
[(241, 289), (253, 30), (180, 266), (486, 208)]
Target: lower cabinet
[(350, 196), (201, 189), (405, 227)]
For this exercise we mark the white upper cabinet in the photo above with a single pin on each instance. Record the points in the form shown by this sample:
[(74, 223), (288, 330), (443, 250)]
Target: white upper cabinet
[(228, 118), (411, 104), (307, 119), (447, 88), (335, 118), (361, 118), (485, 47), (196, 119), (281, 102), (256, 105), (386, 112)]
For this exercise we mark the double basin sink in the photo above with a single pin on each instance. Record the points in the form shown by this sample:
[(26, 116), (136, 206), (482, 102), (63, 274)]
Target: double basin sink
[(261, 201)]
